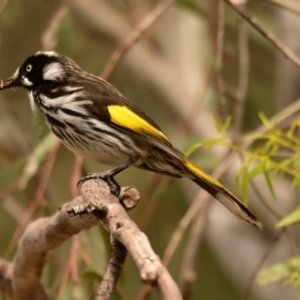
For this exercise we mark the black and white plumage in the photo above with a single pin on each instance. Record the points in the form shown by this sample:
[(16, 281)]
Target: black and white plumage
[(93, 119)]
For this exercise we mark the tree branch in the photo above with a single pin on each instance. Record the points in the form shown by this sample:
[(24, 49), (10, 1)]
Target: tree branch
[(134, 36), (21, 279), (113, 270), (289, 54), (40, 237), (122, 229)]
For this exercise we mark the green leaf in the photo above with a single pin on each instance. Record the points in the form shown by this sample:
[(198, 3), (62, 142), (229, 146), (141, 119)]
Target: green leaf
[(255, 172), (222, 127), (293, 280), (192, 149), (214, 142), (279, 271), (265, 120), (226, 124), (295, 182), (266, 168), (290, 219), (269, 183), (217, 124), (245, 187), (208, 143), (34, 160)]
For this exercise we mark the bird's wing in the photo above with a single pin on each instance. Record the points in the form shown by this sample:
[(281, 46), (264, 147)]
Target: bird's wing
[(129, 118), (109, 105), (126, 117)]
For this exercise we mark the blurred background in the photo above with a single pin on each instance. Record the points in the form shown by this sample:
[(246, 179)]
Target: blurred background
[(207, 77)]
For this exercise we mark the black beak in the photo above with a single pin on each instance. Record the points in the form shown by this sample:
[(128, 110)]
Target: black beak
[(13, 81)]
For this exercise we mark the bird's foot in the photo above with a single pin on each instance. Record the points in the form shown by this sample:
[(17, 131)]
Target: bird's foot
[(107, 177)]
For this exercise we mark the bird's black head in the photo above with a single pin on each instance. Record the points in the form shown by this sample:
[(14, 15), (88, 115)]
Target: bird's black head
[(40, 68)]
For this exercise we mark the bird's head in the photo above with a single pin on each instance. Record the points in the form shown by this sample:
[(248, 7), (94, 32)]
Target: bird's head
[(39, 69)]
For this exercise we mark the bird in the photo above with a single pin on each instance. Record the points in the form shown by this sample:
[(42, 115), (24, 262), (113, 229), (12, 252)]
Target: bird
[(94, 120)]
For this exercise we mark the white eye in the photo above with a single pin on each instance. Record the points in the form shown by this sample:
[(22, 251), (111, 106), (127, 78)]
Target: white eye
[(28, 68)]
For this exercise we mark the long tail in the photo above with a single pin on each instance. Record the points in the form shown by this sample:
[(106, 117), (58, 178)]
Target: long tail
[(218, 191)]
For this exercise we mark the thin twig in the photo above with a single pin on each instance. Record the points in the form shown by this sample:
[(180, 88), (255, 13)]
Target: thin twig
[(275, 213), (11, 188), (188, 273), (113, 271), (135, 35), (49, 40), (76, 174), (158, 183), (186, 221), (239, 106), (219, 59), (2, 6), (187, 122), (70, 267), (259, 265), (290, 6), (186, 126), (73, 259), (193, 210), (262, 199), (282, 119), (267, 34), (290, 112), (46, 174), (39, 197)]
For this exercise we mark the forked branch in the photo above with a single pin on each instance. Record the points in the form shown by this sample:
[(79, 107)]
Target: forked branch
[(21, 279)]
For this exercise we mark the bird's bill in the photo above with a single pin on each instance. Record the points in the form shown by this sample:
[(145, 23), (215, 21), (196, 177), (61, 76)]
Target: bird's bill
[(13, 81)]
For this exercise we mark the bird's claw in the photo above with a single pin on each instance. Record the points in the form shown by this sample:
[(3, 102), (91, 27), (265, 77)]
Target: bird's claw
[(112, 184)]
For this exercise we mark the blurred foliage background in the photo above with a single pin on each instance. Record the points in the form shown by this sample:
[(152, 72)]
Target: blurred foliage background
[(204, 74)]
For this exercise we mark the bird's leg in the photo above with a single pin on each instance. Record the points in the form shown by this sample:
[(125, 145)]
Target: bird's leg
[(108, 176)]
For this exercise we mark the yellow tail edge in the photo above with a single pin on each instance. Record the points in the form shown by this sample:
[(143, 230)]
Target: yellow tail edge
[(222, 194)]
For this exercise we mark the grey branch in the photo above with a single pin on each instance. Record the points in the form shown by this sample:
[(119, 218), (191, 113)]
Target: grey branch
[(113, 270), (21, 279), (122, 229)]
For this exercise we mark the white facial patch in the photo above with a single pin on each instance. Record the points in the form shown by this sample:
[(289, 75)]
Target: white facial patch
[(48, 53), (32, 103), (26, 81), (53, 71)]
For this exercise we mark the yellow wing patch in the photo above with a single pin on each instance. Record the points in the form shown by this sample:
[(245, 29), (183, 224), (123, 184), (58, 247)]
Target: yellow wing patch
[(123, 116)]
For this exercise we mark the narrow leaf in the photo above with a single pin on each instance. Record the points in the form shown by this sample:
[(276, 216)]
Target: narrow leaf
[(279, 271), (266, 168), (193, 148), (222, 127), (226, 124), (34, 160), (217, 124), (290, 219), (214, 142), (264, 120), (269, 183)]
